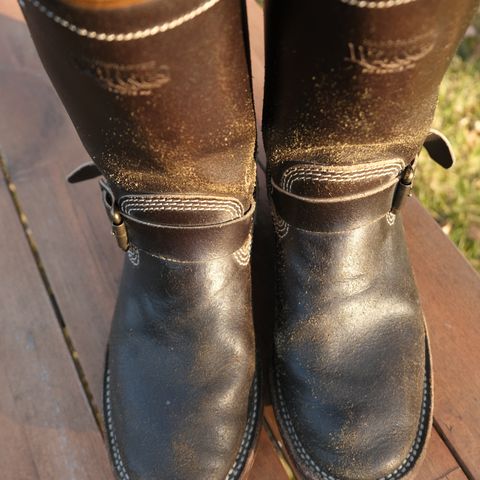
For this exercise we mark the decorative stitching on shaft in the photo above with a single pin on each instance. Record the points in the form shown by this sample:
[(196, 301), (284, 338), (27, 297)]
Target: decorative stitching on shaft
[(122, 37), (339, 174), (396, 474), (381, 4), (133, 204)]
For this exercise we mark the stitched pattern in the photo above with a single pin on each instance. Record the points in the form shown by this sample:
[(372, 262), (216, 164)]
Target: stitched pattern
[(122, 37), (242, 255), (379, 61), (117, 459), (391, 218), (134, 255), (132, 204), (396, 474), (239, 460), (281, 226), (339, 174), (381, 4), (247, 438)]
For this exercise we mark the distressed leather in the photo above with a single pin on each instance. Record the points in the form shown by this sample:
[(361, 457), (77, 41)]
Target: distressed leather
[(181, 397), (350, 92), (173, 133), (351, 381)]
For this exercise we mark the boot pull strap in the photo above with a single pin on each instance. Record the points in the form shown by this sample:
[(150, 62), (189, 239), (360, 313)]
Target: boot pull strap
[(439, 149), (85, 171)]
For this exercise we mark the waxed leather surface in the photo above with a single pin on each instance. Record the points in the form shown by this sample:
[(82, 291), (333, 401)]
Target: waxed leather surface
[(349, 350), (348, 83), (193, 242), (181, 362), (333, 214), (171, 112)]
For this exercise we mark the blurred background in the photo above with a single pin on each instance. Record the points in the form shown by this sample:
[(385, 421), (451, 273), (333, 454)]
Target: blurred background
[(453, 196)]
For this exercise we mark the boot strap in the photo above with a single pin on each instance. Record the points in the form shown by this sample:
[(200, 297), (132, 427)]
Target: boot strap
[(200, 242), (345, 212)]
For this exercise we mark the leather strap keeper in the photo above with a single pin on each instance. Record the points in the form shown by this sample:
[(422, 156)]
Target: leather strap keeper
[(177, 242), (333, 214)]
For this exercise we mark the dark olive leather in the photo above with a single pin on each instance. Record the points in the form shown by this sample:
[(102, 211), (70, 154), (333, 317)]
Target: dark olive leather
[(168, 120), (350, 91), (350, 358), (170, 112), (181, 400)]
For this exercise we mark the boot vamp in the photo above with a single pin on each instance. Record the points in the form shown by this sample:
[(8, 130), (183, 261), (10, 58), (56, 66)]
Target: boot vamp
[(350, 349), (181, 365)]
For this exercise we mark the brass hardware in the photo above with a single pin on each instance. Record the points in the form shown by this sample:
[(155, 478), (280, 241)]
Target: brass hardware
[(404, 188), (119, 229)]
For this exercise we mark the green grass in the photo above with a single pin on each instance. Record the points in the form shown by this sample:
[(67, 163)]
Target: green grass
[(453, 196)]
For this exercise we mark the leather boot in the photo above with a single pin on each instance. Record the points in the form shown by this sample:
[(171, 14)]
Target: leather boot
[(172, 132), (350, 91)]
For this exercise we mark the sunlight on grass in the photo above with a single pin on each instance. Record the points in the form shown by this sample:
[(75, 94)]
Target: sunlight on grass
[(453, 197)]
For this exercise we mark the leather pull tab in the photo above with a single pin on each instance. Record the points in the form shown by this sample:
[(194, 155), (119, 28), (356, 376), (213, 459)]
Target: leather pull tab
[(86, 171), (439, 148)]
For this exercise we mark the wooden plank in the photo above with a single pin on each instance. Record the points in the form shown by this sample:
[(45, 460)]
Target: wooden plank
[(450, 294), (83, 264), (69, 224), (267, 465), (47, 430)]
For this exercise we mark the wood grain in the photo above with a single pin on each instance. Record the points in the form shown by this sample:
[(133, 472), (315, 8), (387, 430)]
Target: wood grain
[(83, 264), (47, 430), (450, 294), (70, 228), (267, 466)]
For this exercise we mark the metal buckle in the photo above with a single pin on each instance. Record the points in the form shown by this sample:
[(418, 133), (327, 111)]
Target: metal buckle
[(119, 229), (404, 187)]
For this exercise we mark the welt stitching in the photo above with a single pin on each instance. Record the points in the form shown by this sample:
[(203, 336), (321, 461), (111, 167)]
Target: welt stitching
[(117, 459), (122, 37), (247, 438), (381, 4), (396, 474), (239, 460)]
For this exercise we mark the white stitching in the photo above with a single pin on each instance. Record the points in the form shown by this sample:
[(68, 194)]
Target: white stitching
[(281, 226), (396, 474), (242, 255), (123, 37), (247, 438), (117, 459), (391, 218), (381, 4), (134, 255), (338, 174), (131, 204)]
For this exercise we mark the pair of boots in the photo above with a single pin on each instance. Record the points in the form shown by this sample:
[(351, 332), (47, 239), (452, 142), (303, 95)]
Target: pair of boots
[(159, 92)]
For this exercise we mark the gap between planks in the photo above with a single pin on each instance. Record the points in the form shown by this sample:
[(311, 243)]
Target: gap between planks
[(51, 295)]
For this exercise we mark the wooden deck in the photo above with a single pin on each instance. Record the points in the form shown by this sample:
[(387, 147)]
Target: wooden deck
[(60, 271)]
